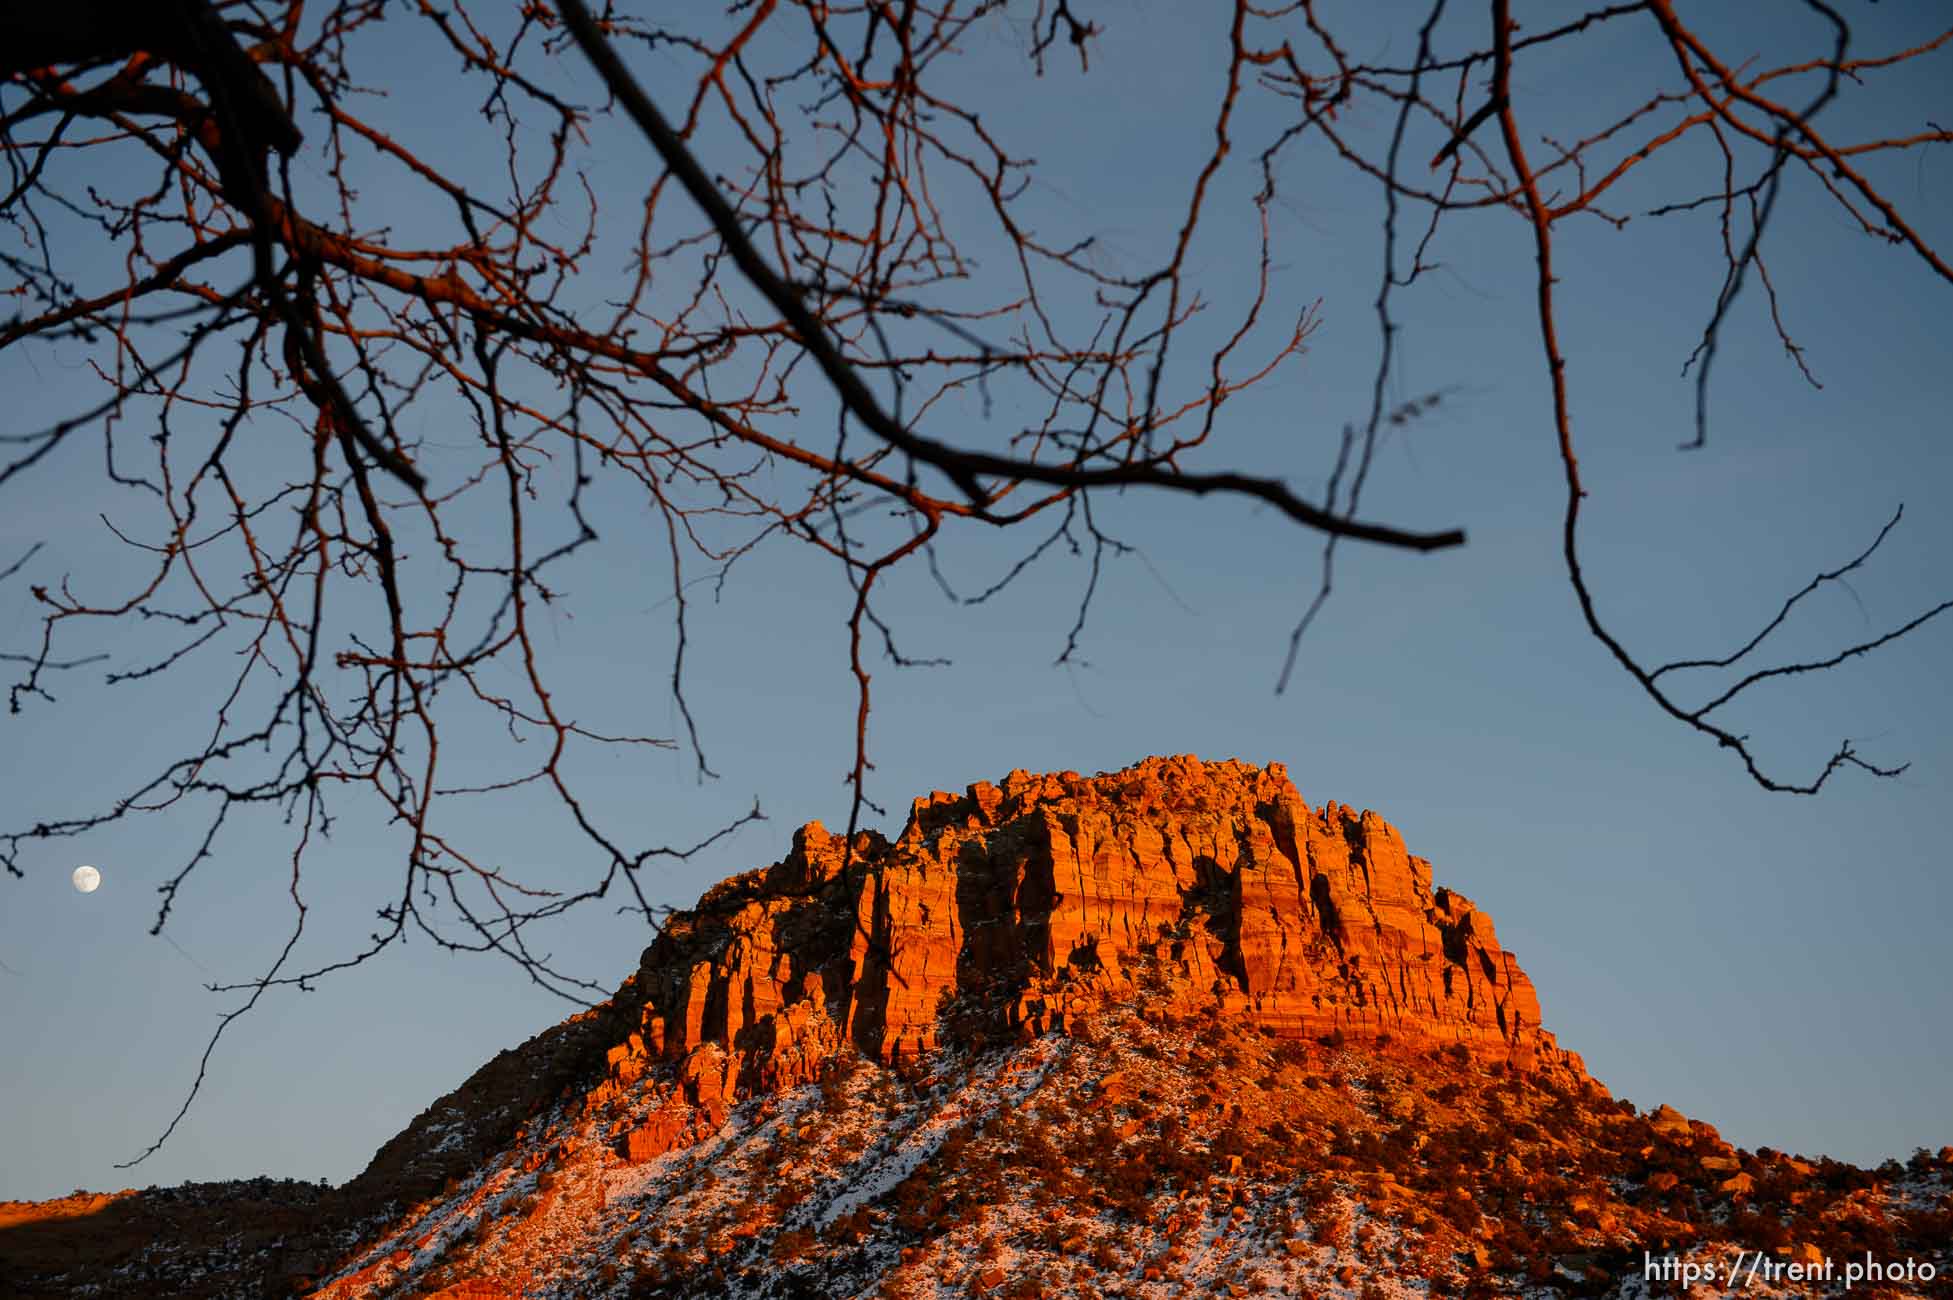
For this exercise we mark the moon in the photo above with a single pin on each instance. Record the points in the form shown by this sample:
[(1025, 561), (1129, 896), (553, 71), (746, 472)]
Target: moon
[(87, 880)]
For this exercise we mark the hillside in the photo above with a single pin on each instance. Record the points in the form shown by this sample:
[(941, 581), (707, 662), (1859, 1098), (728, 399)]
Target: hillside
[(1167, 1031)]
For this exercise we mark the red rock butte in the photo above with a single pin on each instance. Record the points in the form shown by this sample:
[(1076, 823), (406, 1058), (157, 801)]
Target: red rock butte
[(1020, 905)]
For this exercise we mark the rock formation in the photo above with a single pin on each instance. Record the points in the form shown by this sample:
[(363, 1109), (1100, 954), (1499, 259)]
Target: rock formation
[(1286, 1063), (1016, 906)]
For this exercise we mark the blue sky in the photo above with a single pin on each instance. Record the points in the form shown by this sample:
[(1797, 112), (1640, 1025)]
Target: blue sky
[(1773, 965)]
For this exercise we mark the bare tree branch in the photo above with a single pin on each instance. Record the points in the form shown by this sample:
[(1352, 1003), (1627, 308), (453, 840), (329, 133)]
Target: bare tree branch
[(367, 453)]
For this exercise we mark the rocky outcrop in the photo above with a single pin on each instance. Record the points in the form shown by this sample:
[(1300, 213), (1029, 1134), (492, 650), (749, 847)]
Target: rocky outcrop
[(1196, 930), (1023, 905)]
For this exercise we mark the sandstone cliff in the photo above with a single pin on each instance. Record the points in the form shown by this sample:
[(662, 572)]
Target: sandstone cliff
[(1015, 906), (1220, 1113)]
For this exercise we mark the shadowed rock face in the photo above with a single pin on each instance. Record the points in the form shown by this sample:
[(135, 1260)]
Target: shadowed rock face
[(1015, 906)]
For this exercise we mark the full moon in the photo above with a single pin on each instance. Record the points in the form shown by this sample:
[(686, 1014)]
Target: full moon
[(87, 879)]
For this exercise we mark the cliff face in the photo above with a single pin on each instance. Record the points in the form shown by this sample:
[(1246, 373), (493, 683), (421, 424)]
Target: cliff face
[(1219, 1116), (1017, 906)]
